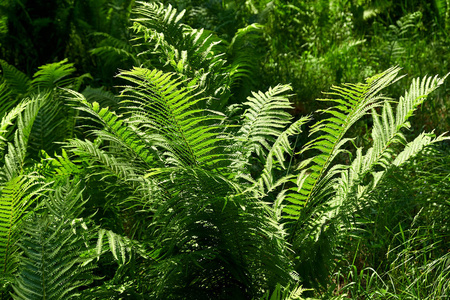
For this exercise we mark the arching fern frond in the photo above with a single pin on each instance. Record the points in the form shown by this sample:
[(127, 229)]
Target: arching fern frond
[(264, 121), (276, 157), (15, 159), (58, 168), (353, 102), (7, 122), (53, 75), (387, 138), (116, 129), (121, 247), (162, 19), (244, 59), (161, 106), (386, 128), (110, 165), (49, 127)]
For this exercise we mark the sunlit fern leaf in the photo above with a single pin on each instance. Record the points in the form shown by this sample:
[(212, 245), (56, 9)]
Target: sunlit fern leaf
[(390, 148), (162, 19), (6, 122), (18, 82), (202, 58), (416, 146), (264, 121), (353, 102), (53, 75), (58, 168), (121, 247), (16, 196), (116, 129), (386, 130), (160, 105), (15, 158), (387, 137), (49, 126), (276, 157)]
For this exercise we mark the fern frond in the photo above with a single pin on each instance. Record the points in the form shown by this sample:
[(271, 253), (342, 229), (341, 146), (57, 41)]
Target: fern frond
[(121, 247), (244, 61), (193, 54), (49, 127), (59, 167), (55, 245), (263, 122), (387, 127), (386, 134), (18, 82), (7, 122), (415, 147), (276, 155), (18, 189), (110, 165), (161, 106), (16, 196), (53, 75), (116, 129), (15, 158), (353, 102), (53, 265), (159, 18)]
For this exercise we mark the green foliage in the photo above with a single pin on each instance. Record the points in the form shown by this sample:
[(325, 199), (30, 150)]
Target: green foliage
[(194, 176), (164, 131), (54, 245), (19, 186)]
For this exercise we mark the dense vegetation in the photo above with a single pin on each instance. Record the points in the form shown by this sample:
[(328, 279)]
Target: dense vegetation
[(176, 150)]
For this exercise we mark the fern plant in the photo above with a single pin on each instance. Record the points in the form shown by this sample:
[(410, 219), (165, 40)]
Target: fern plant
[(33, 124), (325, 191), (188, 179), (183, 188)]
